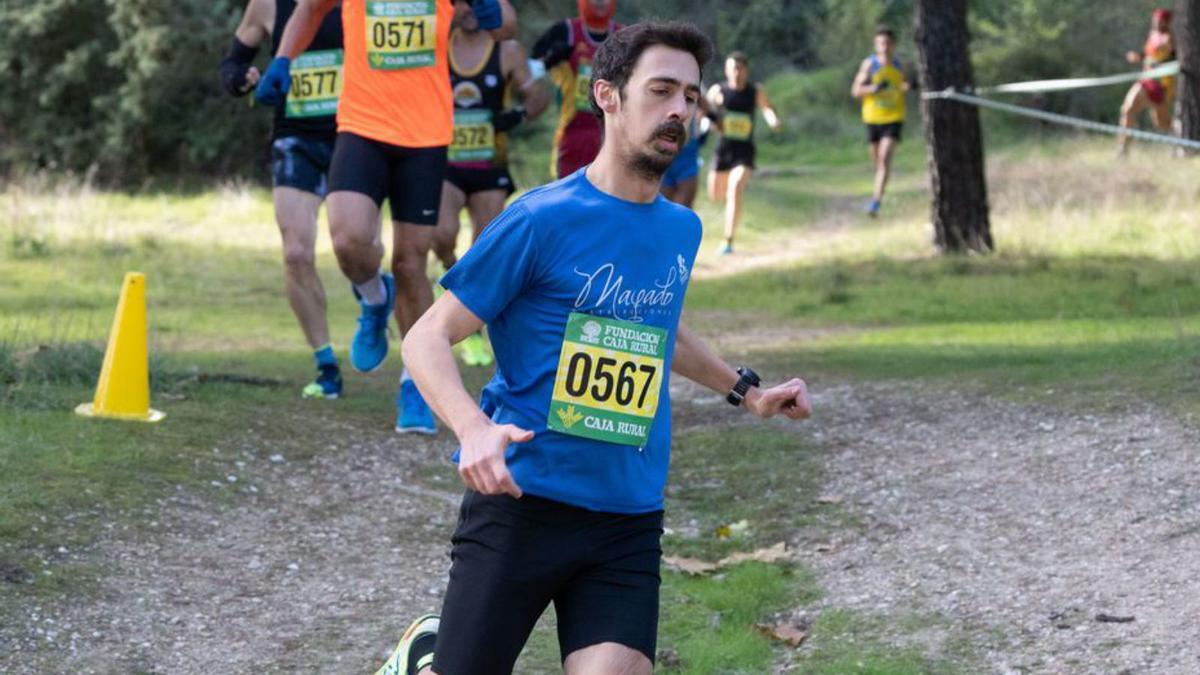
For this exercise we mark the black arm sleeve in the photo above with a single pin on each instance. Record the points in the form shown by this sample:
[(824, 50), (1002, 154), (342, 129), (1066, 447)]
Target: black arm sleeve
[(554, 46), (508, 119), (234, 66)]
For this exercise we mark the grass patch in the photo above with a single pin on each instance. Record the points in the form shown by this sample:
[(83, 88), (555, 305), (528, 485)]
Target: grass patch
[(1004, 320), (844, 642), (708, 623)]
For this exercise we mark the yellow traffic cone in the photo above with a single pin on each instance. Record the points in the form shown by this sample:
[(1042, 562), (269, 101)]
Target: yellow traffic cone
[(123, 391)]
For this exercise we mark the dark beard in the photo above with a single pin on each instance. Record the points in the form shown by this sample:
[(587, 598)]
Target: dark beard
[(652, 165)]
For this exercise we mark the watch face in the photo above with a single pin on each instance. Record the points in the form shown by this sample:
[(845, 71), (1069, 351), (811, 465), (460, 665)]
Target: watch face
[(750, 376)]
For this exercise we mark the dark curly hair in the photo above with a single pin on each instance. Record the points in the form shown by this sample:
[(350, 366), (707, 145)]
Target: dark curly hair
[(617, 56)]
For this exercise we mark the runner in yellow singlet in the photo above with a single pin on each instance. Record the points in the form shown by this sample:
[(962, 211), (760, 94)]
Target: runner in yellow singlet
[(881, 85)]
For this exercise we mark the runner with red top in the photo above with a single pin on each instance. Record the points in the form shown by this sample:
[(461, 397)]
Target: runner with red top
[(567, 50), (1155, 94), (395, 121)]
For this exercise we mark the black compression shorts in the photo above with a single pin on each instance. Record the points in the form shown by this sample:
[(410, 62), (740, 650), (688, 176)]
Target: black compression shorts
[(409, 178)]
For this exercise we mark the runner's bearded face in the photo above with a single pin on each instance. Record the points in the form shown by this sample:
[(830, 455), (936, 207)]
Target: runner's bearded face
[(661, 95)]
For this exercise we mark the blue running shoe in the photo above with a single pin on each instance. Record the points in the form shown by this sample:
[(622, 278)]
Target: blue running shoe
[(726, 249), (413, 415), (415, 650), (328, 384), (370, 345), (873, 208)]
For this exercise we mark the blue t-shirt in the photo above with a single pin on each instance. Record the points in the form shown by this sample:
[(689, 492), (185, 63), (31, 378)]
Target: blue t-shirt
[(562, 248)]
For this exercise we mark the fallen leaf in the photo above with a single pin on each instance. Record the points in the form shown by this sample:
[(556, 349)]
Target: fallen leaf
[(770, 554), (824, 548), (690, 565), (785, 632), (829, 499)]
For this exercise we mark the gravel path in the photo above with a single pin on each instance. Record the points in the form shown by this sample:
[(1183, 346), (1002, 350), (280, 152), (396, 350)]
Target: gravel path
[(1017, 525), (1007, 527)]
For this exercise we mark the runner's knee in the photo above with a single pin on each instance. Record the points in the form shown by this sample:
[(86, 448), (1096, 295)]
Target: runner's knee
[(298, 257)]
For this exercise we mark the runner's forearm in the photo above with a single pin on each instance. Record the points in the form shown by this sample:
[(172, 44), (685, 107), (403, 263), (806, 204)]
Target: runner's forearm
[(696, 361), (771, 117), (303, 26)]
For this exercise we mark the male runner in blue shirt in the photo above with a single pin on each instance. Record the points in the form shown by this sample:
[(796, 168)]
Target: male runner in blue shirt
[(581, 284)]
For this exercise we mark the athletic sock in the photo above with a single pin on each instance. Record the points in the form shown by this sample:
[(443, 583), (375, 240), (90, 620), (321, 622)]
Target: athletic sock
[(324, 357), (373, 292), (404, 376)]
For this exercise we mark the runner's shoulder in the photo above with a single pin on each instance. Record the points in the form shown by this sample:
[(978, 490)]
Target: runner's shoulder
[(554, 195), (687, 218)]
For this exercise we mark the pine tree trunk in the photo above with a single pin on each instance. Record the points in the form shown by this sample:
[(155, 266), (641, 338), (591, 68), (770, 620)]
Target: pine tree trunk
[(1186, 28), (952, 131)]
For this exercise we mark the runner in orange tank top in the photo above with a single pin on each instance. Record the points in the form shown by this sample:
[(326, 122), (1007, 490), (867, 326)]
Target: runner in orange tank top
[(1155, 94), (395, 119)]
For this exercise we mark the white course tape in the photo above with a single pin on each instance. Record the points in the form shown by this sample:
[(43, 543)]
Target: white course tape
[(1076, 122), (1039, 86)]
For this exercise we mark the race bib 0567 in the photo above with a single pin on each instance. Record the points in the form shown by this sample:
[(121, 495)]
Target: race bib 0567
[(609, 376)]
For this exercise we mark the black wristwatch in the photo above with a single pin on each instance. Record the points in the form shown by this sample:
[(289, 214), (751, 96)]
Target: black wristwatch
[(748, 379)]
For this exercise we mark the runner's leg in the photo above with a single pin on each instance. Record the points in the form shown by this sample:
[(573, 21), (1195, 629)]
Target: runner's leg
[(718, 182), (739, 177), (296, 215), (883, 165), (484, 207), (445, 238), (1136, 101)]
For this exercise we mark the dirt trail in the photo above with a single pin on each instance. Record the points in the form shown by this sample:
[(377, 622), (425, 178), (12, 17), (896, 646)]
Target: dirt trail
[(1003, 527), (1017, 524)]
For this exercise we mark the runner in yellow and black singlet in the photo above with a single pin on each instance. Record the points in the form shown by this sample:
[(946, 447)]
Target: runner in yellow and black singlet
[(485, 75), (881, 85)]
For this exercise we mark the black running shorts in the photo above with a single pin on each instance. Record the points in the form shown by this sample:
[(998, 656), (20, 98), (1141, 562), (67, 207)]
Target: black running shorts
[(512, 557), (733, 153), (409, 178), (878, 132), (471, 181)]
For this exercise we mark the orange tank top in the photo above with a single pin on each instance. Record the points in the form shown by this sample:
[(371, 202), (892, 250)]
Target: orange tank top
[(397, 77)]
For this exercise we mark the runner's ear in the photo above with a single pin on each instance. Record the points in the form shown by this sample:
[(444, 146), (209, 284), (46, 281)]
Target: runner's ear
[(607, 96)]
